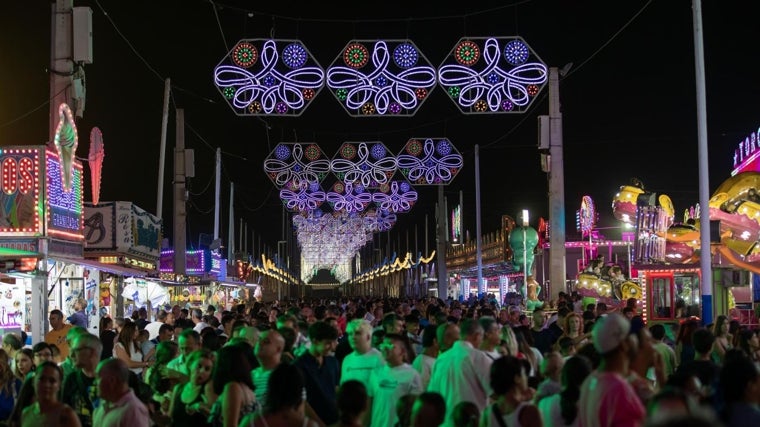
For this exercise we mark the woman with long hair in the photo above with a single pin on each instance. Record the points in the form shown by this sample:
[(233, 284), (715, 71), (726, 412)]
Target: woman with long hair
[(157, 375), (107, 337), (684, 345), (573, 327), (24, 363), (9, 387), (285, 403), (723, 341), (190, 405), (126, 349), (528, 352), (233, 385), (512, 406), (47, 410)]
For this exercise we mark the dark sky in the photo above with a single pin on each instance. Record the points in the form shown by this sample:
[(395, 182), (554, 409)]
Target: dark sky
[(629, 102)]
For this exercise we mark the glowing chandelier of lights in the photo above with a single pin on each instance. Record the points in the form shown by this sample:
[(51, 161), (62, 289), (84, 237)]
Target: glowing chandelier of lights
[(274, 77), (380, 78), (394, 79), (492, 75), (429, 161)]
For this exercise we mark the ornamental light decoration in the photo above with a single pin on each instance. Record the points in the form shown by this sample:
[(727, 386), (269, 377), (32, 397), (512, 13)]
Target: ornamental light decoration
[(492, 75), (66, 141), (95, 160), (394, 79), (269, 77), (429, 161), (296, 164), (369, 164)]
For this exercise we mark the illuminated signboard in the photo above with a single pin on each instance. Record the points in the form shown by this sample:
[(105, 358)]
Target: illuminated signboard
[(456, 225), (65, 208), (747, 154), (20, 202), (197, 262)]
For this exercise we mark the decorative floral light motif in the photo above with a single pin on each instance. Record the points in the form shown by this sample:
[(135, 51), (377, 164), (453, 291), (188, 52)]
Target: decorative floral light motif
[(294, 55), (405, 55), (349, 200), (255, 72), (396, 199), (369, 170), (304, 199), (356, 55), (482, 86), (289, 165), (516, 52), (385, 79), (430, 166), (245, 55)]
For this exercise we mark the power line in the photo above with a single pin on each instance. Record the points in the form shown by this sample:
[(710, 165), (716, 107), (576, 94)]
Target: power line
[(35, 109)]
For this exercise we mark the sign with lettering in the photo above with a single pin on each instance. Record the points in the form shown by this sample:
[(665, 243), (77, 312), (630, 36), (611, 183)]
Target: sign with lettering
[(747, 154), (123, 230), (20, 202), (65, 204), (99, 226)]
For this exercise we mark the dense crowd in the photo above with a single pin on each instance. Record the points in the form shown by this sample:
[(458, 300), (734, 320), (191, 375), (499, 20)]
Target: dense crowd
[(384, 362)]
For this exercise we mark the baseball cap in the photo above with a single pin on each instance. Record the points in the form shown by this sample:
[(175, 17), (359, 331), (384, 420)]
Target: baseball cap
[(609, 332)]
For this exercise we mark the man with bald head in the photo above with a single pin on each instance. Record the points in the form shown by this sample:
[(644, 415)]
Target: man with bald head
[(447, 334), (268, 352), (119, 405), (462, 372)]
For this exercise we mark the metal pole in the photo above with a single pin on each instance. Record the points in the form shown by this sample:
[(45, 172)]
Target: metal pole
[(231, 227), (180, 212), (218, 192), (162, 152), (440, 256), (705, 260), (557, 267), (478, 237)]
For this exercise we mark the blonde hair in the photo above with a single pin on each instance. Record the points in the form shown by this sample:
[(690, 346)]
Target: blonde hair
[(359, 324)]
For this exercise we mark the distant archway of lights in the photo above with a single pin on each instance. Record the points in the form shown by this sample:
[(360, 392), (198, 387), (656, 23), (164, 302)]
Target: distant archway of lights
[(368, 188)]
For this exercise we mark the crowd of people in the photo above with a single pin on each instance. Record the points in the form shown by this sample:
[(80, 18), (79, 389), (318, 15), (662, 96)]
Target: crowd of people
[(384, 362)]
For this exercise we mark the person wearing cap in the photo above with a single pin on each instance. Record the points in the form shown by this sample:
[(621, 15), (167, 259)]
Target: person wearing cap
[(607, 398)]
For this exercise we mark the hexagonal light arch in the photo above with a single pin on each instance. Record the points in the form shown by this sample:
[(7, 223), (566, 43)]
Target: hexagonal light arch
[(492, 75), (394, 79), (429, 161), (269, 77), (369, 164)]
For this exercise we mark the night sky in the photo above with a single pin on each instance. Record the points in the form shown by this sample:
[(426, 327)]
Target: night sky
[(629, 101)]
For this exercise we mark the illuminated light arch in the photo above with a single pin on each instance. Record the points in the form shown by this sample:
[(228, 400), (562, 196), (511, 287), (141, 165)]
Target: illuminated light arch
[(66, 141), (396, 197), (394, 79), (429, 161), (296, 163), (369, 164), (272, 77), (481, 77)]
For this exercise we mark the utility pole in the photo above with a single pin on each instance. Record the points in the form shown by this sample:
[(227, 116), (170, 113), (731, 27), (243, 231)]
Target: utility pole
[(61, 59), (162, 152), (705, 259), (180, 197), (217, 193), (440, 256), (557, 267)]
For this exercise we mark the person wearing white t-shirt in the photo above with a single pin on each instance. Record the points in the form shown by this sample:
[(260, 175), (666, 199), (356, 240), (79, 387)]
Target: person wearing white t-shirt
[(197, 317), (392, 382), (424, 361), (359, 364), (461, 373)]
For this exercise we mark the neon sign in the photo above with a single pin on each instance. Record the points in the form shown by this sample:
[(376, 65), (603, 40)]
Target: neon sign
[(65, 208), (20, 205), (456, 224), (747, 155)]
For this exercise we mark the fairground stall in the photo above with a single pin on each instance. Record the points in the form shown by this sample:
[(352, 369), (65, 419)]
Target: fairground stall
[(41, 209), (121, 249)]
